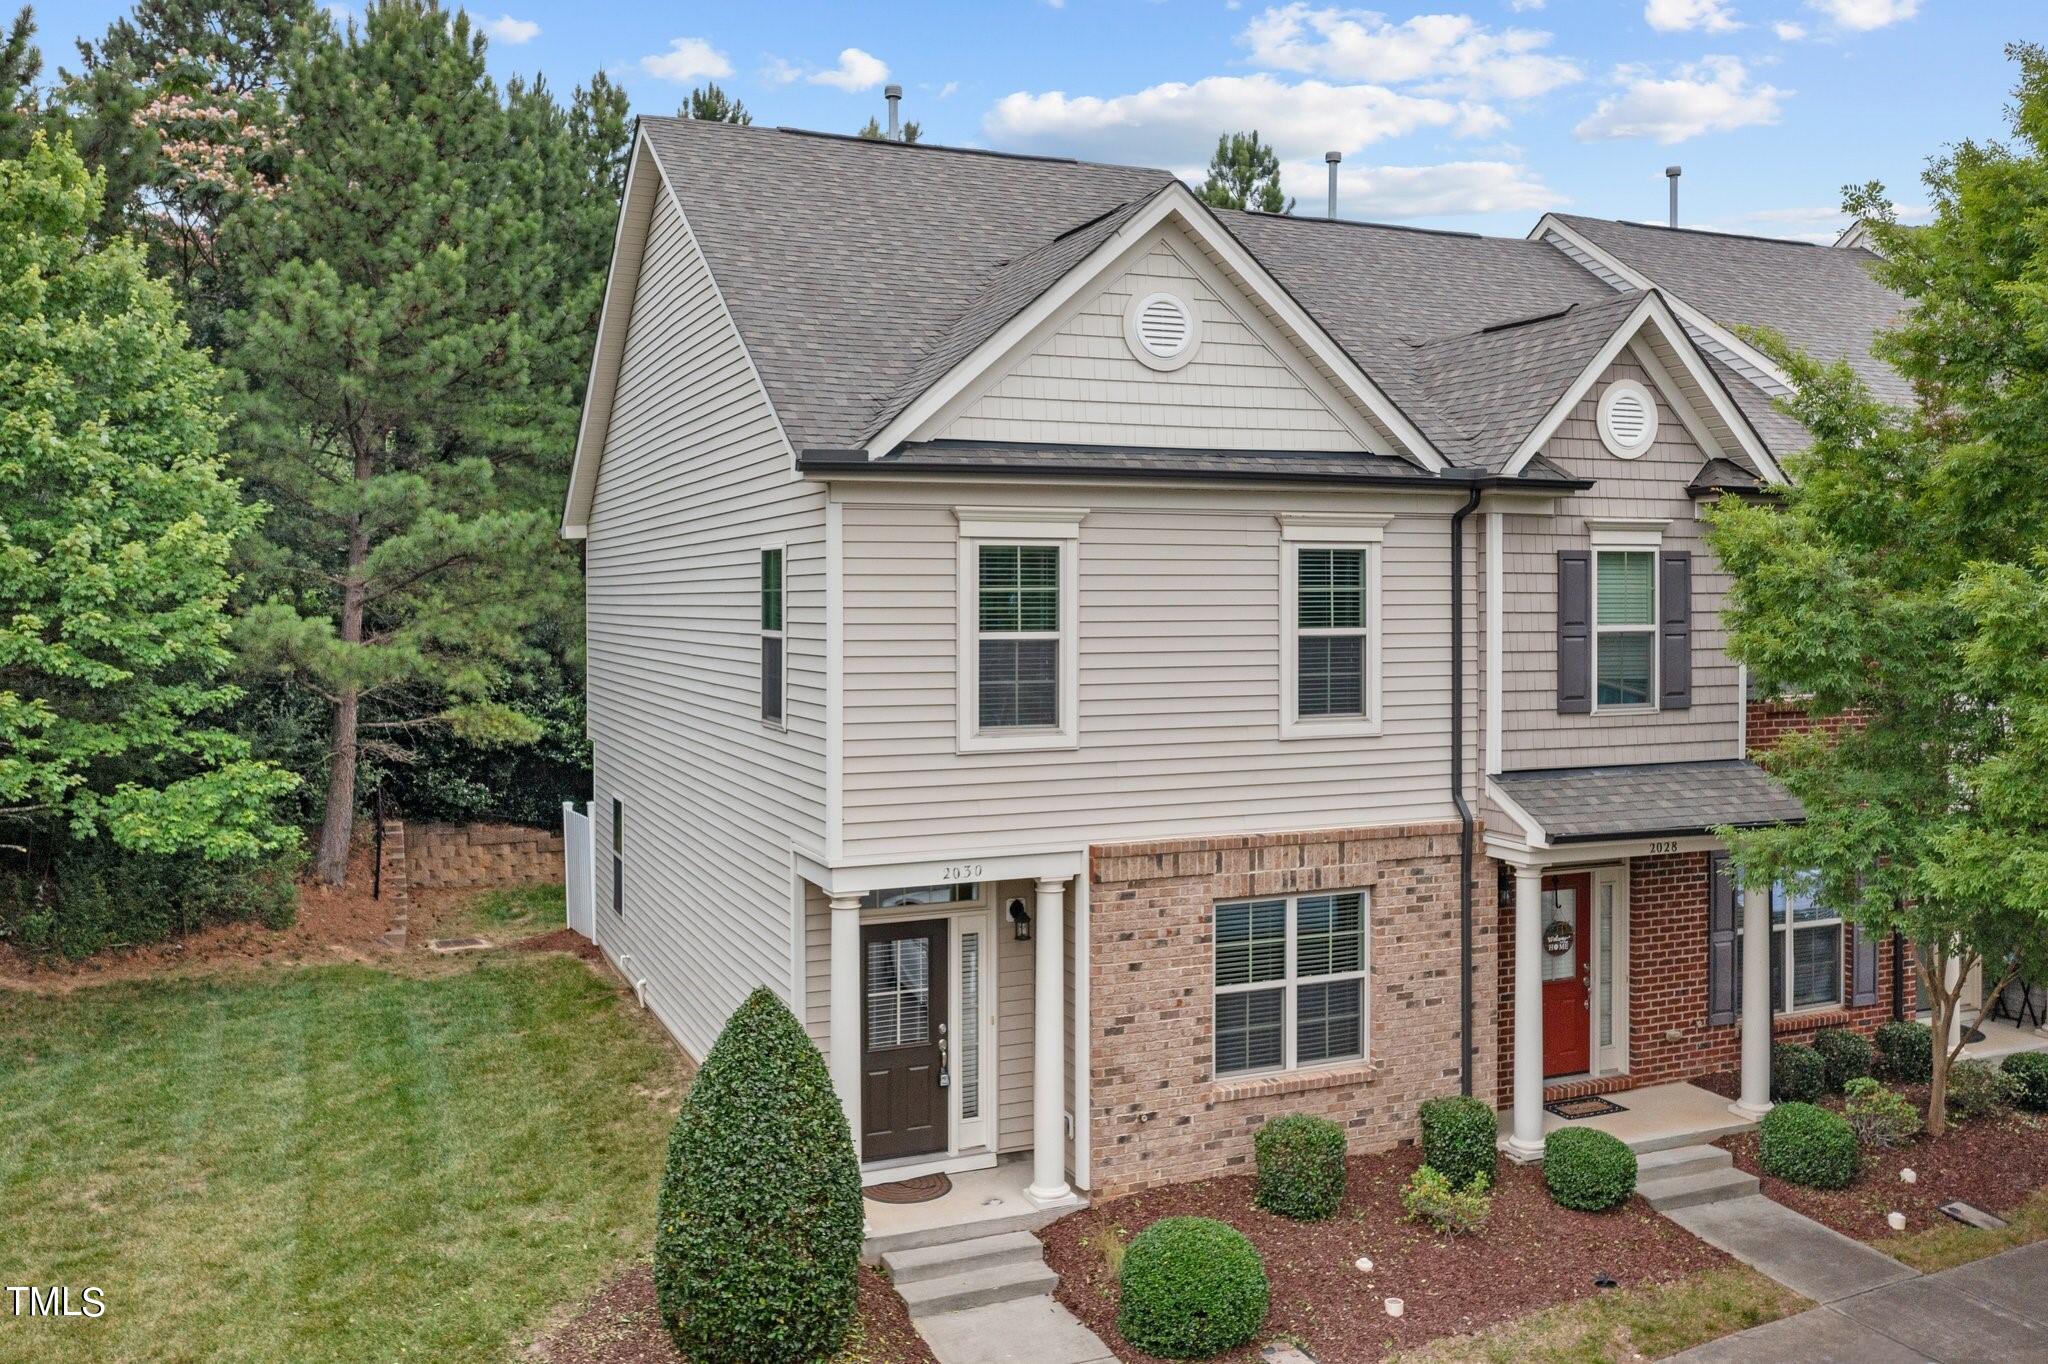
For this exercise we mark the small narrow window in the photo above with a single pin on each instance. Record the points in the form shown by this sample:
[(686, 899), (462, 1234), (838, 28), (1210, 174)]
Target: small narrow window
[(1018, 645), (1625, 627), (618, 857), (1330, 633), (771, 635)]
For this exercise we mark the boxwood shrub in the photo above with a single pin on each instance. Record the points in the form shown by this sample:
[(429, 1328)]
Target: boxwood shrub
[(1809, 1145), (1588, 1169), (1301, 1167), (1906, 1052), (759, 1221), (2030, 1069), (1191, 1287), (1458, 1139), (1846, 1055), (1798, 1074), (1977, 1089)]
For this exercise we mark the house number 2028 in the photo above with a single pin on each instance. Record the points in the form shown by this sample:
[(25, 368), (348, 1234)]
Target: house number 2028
[(1664, 845), (961, 871)]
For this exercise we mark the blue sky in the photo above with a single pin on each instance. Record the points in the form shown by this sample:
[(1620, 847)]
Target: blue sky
[(1475, 115)]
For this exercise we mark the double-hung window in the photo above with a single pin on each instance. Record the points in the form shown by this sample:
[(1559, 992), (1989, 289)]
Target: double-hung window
[(771, 635), (1018, 651), (1624, 628), (1330, 668), (1290, 982), (1806, 948)]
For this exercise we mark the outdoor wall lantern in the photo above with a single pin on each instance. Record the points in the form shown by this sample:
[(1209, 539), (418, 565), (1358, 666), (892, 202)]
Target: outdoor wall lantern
[(1020, 919)]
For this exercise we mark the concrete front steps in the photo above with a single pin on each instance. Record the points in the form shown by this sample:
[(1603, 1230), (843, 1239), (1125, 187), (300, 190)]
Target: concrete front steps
[(972, 1273), (1689, 1176)]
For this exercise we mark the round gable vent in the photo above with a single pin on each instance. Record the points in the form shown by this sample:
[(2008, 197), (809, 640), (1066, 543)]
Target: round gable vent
[(1628, 419), (1163, 330)]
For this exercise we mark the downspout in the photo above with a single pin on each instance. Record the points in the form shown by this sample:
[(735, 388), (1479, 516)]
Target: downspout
[(1898, 976), (1465, 822)]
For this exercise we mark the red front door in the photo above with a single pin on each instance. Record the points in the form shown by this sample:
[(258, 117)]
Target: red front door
[(1567, 975)]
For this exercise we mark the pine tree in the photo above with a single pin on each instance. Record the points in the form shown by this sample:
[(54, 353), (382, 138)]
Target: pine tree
[(710, 104), (872, 131), (20, 64), (1245, 173), (407, 392)]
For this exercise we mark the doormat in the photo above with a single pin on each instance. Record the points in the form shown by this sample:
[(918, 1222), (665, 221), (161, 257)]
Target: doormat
[(922, 1189), (1593, 1106)]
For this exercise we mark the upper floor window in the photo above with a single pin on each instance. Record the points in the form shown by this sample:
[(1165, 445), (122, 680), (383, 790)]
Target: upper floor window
[(1330, 668), (771, 635), (1290, 982), (1625, 627), (1018, 648)]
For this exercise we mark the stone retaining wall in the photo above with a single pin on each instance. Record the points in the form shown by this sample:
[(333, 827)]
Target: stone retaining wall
[(476, 855)]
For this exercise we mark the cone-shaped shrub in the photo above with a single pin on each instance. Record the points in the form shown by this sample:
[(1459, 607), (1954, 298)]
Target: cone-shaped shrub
[(758, 1240)]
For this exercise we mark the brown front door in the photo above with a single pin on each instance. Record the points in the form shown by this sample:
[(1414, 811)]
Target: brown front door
[(903, 1039), (1567, 975)]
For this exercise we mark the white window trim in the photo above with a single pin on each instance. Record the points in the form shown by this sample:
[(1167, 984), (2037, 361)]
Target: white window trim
[(1313, 531), (1288, 986), (780, 720), (1628, 537), (1056, 526), (1613, 393), (1781, 933)]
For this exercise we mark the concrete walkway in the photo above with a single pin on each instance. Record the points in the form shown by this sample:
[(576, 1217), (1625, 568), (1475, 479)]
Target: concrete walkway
[(1021, 1331), (1812, 1260), (1994, 1309)]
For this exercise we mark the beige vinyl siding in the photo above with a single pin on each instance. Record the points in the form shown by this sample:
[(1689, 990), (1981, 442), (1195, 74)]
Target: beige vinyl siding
[(1016, 1020), (1082, 384), (695, 478), (1179, 685), (1534, 735)]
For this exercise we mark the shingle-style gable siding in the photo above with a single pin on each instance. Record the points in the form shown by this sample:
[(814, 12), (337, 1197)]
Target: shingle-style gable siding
[(695, 478), (1083, 385), (1533, 734)]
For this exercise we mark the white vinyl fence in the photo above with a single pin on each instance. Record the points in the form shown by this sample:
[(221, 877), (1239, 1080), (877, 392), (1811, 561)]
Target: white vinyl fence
[(576, 869)]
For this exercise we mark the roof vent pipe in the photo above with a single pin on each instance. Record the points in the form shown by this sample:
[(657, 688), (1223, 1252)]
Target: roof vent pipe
[(1333, 158), (894, 94), (1671, 173)]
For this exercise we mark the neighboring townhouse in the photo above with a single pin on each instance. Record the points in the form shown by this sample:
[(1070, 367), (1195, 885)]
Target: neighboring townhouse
[(1123, 670)]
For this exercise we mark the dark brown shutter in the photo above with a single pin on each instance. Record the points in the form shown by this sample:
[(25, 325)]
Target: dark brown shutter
[(1574, 632), (1674, 632), (1862, 966), (1721, 946)]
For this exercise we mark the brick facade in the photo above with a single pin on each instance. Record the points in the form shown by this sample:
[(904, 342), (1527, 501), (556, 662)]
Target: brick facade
[(1770, 721), (462, 855), (1158, 1114)]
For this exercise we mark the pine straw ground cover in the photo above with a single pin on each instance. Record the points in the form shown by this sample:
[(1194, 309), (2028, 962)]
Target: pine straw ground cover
[(1531, 1255)]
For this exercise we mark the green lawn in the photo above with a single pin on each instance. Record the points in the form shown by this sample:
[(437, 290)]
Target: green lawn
[(512, 912), (337, 1163)]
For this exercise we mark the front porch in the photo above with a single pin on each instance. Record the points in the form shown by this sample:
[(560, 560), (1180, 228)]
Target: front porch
[(985, 1202), (1654, 1118)]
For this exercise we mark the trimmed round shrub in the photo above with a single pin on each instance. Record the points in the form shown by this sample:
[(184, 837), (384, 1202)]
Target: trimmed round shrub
[(2030, 1070), (757, 1242), (1808, 1145), (1880, 1117), (1301, 1167), (1977, 1089), (1798, 1075), (1905, 1052), (1588, 1169), (1190, 1287), (1846, 1055), (1459, 1137)]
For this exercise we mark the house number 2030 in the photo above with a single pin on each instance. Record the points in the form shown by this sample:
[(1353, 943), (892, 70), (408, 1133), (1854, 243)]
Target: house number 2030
[(961, 871)]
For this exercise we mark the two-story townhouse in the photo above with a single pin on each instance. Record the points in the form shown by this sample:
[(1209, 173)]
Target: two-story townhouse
[(1123, 670)]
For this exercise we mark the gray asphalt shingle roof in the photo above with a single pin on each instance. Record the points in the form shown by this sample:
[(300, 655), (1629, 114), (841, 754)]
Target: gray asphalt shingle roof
[(1581, 804)]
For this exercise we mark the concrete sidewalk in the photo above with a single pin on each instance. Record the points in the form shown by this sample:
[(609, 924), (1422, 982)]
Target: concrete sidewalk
[(1812, 1260), (1994, 1309), (1021, 1331)]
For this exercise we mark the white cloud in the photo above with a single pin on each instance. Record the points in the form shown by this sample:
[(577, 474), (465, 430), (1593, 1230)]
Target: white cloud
[(1711, 95), (1382, 193), (1682, 16), (949, 89), (687, 59), (779, 72), (857, 70), (1788, 31), (1864, 15), (1452, 52), (506, 29), (1176, 124), (1522, 6)]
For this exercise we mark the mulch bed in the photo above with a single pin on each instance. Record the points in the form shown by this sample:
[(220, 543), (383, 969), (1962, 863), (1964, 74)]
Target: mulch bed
[(620, 1324), (1532, 1254), (1995, 1163), (562, 940)]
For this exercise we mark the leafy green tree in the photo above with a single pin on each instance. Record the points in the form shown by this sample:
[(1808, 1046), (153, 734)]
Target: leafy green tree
[(1901, 578), (117, 523), (1245, 173), (20, 64), (408, 390), (873, 131), (710, 104)]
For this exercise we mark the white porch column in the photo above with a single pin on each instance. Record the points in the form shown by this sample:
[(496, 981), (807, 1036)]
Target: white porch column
[(843, 1058), (1756, 1007), (1526, 1138), (1049, 1047)]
